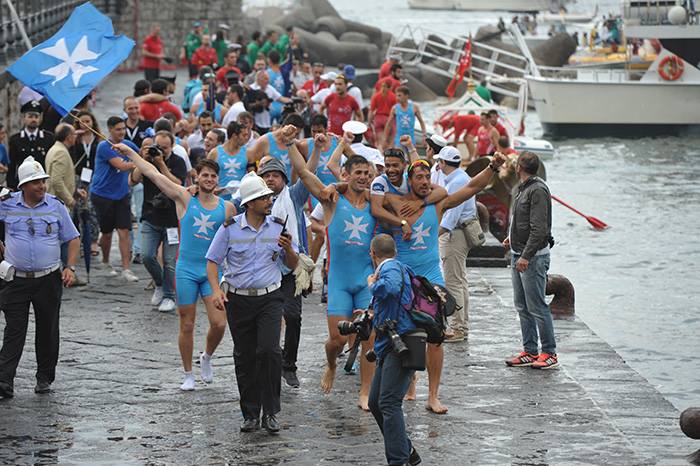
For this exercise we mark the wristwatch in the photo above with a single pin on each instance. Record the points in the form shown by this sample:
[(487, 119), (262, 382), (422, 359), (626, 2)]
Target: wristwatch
[(71, 267)]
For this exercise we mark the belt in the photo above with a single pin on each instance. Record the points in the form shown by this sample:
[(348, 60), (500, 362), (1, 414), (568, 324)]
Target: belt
[(466, 222), (36, 273), (255, 291)]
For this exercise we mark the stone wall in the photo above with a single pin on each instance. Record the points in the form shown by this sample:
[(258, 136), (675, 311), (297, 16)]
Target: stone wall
[(135, 18)]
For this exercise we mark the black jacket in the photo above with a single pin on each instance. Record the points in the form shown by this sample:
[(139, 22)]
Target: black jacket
[(531, 226), (20, 147)]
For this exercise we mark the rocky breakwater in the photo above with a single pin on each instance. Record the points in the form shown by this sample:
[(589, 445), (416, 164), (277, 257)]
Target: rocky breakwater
[(330, 39)]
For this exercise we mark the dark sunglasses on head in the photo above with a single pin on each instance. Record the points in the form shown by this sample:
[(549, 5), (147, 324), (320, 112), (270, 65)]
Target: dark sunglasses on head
[(395, 153)]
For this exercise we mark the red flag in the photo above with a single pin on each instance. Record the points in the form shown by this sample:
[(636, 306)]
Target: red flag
[(465, 63)]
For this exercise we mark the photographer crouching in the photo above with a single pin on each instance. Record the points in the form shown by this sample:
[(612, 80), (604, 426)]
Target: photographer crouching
[(391, 290)]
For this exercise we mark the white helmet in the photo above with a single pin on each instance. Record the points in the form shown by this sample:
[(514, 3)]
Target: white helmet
[(252, 187), (30, 170)]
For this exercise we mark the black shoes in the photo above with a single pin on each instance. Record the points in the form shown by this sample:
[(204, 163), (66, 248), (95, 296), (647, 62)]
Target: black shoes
[(290, 377), (414, 458), (270, 424), (6, 391), (42, 387), (250, 425)]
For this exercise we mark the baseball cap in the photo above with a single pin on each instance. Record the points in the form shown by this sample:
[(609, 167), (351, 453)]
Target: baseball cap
[(354, 127), (449, 154), (330, 76), (349, 72)]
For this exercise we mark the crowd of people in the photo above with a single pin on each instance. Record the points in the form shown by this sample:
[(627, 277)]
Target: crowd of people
[(234, 197)]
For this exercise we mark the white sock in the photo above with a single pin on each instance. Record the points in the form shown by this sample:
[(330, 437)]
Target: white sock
[(206, 355), (188, 374)]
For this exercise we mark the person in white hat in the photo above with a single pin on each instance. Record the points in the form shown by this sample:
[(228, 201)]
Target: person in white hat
[(320, 96), (36, 225), (257, 251)]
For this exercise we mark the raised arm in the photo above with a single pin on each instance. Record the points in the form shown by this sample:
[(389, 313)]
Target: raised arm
[(476, 185), (173, 190), (315, 156), (311, 181), (406, 142), (334, 162)]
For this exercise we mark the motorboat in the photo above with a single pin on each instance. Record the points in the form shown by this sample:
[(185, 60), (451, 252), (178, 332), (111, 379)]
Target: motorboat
[(596, 102), (519, 6)]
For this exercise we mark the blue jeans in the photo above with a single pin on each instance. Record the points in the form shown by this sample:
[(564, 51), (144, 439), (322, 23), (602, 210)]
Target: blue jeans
[(529, 299), (153, 236), (136, 208), (389, 386)]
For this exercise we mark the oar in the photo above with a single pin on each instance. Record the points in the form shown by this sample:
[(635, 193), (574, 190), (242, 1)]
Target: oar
[(595, 223)]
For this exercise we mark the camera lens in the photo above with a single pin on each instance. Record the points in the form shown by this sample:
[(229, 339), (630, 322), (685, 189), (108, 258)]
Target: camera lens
[(370, 356), (346, 328)]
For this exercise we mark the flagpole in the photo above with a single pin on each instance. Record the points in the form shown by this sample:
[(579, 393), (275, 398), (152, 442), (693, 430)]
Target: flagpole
[(20, 25), (90, 128)]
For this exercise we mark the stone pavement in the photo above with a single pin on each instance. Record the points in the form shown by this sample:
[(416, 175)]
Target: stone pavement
[(117, 397)]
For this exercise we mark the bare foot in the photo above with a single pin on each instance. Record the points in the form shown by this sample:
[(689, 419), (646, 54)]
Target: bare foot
[(363, 403), (435, 406), (327, 379), (411, 393)]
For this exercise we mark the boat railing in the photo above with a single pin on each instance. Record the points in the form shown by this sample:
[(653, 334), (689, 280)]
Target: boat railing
[(441, 53), (597, 75), (654, 12)]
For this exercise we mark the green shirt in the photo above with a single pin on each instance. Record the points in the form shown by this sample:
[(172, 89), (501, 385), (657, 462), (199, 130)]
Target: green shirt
[(192, 43), (484, 93), (221, 49), (252, 53)]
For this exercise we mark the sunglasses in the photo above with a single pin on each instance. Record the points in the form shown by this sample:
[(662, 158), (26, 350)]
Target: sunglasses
[(32, 230), (394, 153)]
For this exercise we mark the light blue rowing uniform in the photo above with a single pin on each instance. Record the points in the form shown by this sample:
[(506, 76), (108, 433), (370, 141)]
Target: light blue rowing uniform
[(276, 81), (421, 252), (349, 264), (217, 111), (197, 229), (322, 172), (281, 154), (405, 123), (231, 167)]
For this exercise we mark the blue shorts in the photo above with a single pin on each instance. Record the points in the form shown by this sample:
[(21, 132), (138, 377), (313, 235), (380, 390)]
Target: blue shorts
[(342, 301), (190, 283)]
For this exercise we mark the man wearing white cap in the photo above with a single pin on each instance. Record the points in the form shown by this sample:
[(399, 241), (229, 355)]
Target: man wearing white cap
[(323, 92), (256, 249), (459, 232), (36, 225)]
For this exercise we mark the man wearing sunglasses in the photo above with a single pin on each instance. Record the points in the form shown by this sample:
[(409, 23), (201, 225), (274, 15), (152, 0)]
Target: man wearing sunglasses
[(420, 250), (36, 225)]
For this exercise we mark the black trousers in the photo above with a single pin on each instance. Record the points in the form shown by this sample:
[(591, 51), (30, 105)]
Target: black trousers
[(292, 322), (151, 74), (254, 323), (44, 294)]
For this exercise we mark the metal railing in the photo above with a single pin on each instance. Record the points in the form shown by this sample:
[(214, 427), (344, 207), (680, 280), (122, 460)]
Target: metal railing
[(420, 47), (655, 12), (598, 75)]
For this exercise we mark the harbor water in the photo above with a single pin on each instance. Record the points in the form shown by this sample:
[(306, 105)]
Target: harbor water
[(637, 283)]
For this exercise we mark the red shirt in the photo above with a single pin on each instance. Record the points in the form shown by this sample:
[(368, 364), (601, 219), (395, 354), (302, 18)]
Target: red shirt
[(393, 83), (151, 111), (385, 69), (381, 104), (309, 86), (221, 75), (340, 110), (509, 151), (205, 56), (152, 44), (468, 123), (501, 129)]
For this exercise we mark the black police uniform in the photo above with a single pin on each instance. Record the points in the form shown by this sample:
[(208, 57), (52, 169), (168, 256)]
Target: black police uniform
[(21, 145)]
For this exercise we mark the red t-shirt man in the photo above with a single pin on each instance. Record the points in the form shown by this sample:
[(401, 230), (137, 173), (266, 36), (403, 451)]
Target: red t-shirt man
[(385, 69), (381, 104), (151, 111), (393, 83), (340, 110), (205, 56), (312, 88), (221, 75), (501, 129), (468, 123), (154, 45)]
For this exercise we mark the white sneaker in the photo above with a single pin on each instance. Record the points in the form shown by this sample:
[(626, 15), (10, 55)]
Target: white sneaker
[(188, 383), (110, 270), (157, 297), (206, 368), (129, 276), (167, 305)]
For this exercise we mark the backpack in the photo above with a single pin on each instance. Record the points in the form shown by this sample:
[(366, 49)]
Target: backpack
[(430, 307)]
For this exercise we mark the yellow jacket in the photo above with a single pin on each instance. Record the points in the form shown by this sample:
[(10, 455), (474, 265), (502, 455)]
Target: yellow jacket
[(60, 168)]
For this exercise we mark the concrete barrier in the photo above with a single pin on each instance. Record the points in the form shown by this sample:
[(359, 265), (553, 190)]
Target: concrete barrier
[(690, 423), (354, 36), (332, 24), (326, 49), (300, 17)]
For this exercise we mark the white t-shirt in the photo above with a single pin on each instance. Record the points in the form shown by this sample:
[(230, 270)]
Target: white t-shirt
[(380, 186), (182, 153), (195, 140), (437, 176), (318, 98), (317, 213), (232, 114), (262, 119)]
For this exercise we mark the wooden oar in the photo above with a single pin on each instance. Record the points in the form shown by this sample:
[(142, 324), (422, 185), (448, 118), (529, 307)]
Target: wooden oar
[(595, 223)]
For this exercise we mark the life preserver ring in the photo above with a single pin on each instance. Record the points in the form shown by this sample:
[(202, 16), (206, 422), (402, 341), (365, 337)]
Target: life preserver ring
[(671, 68)]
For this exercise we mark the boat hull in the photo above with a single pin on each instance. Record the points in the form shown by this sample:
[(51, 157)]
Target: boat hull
[(595, 109), (480, 5)]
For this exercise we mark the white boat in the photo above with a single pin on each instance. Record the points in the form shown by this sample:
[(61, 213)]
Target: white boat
[(481, 5), (602, 102), (563, 17)]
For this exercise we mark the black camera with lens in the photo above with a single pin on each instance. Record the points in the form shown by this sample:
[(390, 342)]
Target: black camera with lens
[(388, 328), (153, 151), (361, 325)]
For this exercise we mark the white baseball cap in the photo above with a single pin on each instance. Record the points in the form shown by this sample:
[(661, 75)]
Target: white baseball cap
[(30, 170), (330, 76), (354, 127), (449, 154), (438, 140)]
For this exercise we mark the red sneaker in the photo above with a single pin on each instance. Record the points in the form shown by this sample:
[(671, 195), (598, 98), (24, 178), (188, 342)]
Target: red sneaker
[(546, 361), (521, 360)]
